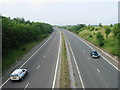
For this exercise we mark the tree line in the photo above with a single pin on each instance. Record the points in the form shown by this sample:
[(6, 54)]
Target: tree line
[(18, 31), (104, 35), (115, 29)]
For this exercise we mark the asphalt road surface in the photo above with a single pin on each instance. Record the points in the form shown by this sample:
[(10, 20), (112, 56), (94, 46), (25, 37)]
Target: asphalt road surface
[(94, 73), (41, 66)]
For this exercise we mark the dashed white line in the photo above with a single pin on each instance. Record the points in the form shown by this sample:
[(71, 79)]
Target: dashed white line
[(44, 56), (88, 57), (36, 51), (98, 70), (93, 49), (27, 85), (48, 50), (38, 66), (83, 51), (28, 59)]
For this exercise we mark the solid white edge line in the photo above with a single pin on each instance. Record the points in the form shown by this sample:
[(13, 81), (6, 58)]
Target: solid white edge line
[(109, 62), (4, 82), (70, 66), (93, 49), (28, 59), (36, 51), (58, 57), (76, 64)]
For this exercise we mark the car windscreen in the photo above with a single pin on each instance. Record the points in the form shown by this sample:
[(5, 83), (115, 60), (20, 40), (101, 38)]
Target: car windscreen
[(95, 53), (15, 75)]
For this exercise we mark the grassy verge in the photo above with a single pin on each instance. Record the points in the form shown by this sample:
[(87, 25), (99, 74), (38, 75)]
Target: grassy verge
[(64, 71), (14, 55), (110, 43)]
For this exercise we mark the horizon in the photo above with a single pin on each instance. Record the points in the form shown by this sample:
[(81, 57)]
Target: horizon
[(63, 12)]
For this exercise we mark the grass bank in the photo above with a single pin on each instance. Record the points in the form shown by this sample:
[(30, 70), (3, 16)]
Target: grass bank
[(64, 71), (14, 55), (105, 37), (110, 42)]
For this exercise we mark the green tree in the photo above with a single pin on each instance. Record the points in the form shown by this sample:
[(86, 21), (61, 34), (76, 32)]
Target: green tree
[(107, 31), (76, 28), (116, 30), (111, 25), (100, 25), (17, 32), (100, 39)]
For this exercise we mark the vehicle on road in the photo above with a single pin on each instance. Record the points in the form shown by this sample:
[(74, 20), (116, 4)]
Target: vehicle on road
[(95, 54), (18, 74)]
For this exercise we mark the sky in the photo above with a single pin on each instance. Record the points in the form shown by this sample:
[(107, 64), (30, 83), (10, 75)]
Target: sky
[(62, 12)]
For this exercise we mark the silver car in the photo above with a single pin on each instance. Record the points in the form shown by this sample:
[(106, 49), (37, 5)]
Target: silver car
[(18, 74)]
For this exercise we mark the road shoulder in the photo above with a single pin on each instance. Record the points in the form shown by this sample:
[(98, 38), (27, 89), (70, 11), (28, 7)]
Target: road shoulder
[(23, 59)]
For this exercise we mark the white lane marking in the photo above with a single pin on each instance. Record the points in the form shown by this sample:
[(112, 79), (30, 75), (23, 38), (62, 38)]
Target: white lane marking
[(70, 66), (109, 62), (36, 51), (38, 66), (48, 50), (28, 59), (76, 65), (98, 70), (5, 82), (83, 51), (44, 56), (27, 85), (93, 49), (88, 57), (58, 58)]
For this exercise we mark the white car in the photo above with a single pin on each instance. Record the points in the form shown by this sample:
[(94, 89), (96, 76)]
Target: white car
[(18, 74)]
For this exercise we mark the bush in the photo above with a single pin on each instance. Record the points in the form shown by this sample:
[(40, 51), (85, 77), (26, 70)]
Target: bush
[(90, 36), (96, 29), (92, 28), (94, 33), (107, 31), (100, 24), (111, 25), (116, 30), (100, 39)]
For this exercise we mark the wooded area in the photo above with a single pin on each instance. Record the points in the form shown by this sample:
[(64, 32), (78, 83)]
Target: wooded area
[(17, 32)]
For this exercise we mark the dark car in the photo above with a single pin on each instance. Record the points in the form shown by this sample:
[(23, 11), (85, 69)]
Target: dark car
[(94, 54)]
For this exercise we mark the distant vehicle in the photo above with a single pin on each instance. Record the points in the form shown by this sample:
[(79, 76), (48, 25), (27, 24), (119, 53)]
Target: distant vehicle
[(18, 74), (94, 54)]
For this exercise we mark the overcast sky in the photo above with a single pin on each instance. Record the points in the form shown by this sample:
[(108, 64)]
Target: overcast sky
[(63, 12)]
